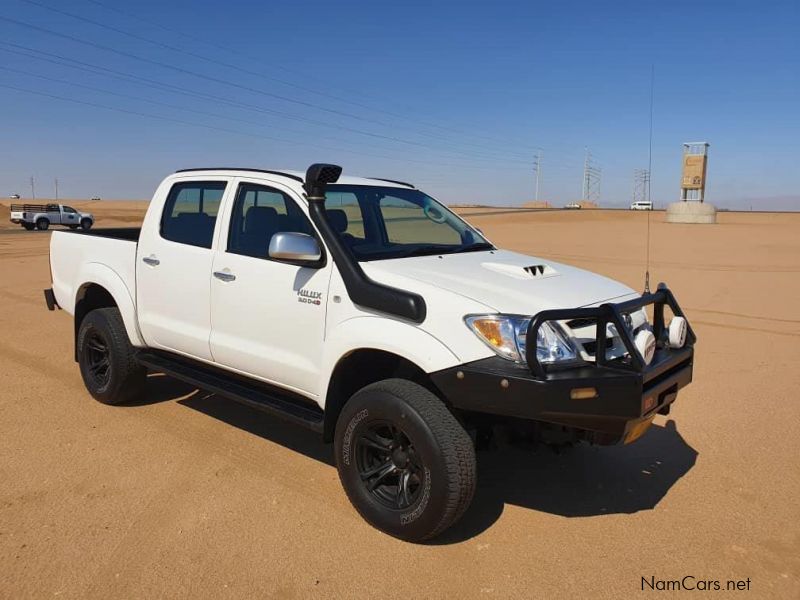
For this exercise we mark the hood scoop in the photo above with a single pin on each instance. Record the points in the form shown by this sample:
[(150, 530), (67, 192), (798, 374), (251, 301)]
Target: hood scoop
[(539, 271)]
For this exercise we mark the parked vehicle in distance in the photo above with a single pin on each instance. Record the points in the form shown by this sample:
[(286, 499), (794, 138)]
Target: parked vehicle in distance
[(573, 206), (95, 198), (642, 205), (14, 196), (41, 216), (366, 311)]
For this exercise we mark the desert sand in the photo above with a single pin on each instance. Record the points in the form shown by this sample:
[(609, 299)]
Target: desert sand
[(191, 496)]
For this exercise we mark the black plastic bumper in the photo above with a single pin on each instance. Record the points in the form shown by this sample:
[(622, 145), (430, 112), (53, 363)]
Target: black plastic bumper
[(627, 393), (624, 398)]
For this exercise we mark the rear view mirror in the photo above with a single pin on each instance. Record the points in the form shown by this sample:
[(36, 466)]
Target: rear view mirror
[(295, 247)]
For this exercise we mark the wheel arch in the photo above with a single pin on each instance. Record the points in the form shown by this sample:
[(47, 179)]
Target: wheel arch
[(103, 288), (359, 368)]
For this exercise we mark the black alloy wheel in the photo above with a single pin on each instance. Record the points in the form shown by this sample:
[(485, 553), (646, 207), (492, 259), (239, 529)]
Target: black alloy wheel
[(389, 466)]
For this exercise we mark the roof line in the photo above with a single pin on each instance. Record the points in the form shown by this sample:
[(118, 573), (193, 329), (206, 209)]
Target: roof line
[(281, 173), (412, 186)]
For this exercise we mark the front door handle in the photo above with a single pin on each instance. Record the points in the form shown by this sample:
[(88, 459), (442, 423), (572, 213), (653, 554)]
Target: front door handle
[(223, 276), (151, 260)]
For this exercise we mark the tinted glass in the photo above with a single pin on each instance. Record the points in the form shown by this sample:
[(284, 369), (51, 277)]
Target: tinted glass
[(378, 222), (259, 212), (190, 212), (69, 209)]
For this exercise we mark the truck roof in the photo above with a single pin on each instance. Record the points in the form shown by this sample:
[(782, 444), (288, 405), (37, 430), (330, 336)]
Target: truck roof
[(297, 176)]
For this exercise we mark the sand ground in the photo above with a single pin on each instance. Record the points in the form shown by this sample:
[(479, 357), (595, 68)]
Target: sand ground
[(189, 496)]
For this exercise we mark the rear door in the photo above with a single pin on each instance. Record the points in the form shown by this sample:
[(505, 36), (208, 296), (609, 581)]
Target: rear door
[(267, 316), (173, 268)]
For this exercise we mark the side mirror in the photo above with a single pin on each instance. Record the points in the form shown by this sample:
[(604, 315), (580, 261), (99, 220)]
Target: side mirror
[(295, 247)]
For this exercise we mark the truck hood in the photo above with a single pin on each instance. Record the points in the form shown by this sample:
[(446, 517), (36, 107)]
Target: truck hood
[(503, 281)]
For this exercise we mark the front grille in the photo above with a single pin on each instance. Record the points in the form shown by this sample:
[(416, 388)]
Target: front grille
[(591, 347)]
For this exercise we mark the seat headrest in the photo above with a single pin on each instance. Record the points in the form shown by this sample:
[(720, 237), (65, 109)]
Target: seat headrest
[(338, 219), (259, 219)]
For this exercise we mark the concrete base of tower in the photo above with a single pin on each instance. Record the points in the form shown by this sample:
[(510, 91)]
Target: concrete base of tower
[(691, 212)]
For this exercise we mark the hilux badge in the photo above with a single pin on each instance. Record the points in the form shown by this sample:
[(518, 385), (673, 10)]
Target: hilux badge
[(309, 297)]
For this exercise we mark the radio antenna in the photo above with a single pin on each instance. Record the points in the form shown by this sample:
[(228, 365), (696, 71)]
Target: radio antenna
[(649, 179)]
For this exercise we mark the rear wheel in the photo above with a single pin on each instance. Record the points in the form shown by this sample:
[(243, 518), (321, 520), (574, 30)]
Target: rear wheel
[(42, 224), (107, 359), (404, 460), (86, 224)]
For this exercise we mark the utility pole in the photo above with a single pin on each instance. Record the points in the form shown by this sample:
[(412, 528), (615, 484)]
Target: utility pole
[(56, 181), (33, 189), (537, 168), (591, 180), (641, 185)]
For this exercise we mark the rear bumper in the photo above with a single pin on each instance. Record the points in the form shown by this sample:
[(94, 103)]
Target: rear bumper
[(624, 400)]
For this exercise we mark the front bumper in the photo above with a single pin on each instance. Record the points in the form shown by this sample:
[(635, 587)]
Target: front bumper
[(628, 395)]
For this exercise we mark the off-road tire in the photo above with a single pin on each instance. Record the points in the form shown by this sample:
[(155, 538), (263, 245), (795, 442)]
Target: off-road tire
[(443, 453), (124, 378), (42, 224), (86, 224)]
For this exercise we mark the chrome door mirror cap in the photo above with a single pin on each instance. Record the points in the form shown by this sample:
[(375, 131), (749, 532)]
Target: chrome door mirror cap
[(293, 246)]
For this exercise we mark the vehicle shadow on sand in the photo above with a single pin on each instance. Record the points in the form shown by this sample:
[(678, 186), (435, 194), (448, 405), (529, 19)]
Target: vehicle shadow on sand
[(583, 481)]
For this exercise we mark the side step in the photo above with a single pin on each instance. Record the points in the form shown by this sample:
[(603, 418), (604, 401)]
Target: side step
[(234, 387)]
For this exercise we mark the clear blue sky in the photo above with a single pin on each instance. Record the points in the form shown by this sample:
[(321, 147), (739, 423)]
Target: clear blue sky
[(456, 97)]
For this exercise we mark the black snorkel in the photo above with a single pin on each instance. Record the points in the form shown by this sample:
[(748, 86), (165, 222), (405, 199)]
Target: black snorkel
[(362, 290)]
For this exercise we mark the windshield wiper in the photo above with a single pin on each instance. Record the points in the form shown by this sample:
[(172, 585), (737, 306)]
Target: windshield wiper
[(473, 248), (423, 251)]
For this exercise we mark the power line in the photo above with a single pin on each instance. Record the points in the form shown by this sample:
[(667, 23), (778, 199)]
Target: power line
[(156, 102), (192, 73), (104, 71), (223, 129), (234, 51)]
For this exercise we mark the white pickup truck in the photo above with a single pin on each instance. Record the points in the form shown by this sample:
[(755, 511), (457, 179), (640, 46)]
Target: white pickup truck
[(369, 312), (41, 216)]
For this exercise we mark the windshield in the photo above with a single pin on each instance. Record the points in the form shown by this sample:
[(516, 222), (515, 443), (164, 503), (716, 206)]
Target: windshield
[(385, 222)]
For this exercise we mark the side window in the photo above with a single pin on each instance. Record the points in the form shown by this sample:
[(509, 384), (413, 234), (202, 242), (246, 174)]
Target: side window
[(69, 210), (190, 212), (409, 223), (345, 214), (260, 212)]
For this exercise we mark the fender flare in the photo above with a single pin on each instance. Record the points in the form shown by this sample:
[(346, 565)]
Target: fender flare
[(107, 278), (379, 333)]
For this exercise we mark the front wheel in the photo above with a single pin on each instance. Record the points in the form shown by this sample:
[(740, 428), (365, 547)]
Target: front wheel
[(107, 359), (86, 224), (405, 462)]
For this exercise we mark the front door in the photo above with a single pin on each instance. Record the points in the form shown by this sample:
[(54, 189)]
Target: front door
[(69, 216), (173, 269), (267, 316)]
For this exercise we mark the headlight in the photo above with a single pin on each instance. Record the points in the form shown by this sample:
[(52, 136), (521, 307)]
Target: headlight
[(505, 334)]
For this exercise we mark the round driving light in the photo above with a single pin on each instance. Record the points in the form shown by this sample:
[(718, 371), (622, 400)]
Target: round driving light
[(645, 343), (677, 332)]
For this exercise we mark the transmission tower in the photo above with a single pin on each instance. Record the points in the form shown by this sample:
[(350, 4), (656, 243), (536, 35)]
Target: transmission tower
[(591, 180), (641, 185), (537, 169)]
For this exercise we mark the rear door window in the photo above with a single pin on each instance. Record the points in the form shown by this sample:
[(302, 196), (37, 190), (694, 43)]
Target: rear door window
[(190, 212)]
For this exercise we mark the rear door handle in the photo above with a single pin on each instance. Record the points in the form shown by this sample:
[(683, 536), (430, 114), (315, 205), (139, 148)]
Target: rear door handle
[(151, 260), (223, 276)]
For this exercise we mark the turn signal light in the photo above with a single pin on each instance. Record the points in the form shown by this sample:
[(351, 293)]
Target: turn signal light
[(583, 393)]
